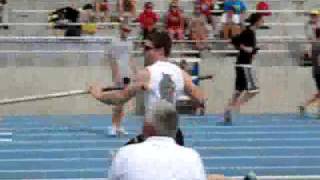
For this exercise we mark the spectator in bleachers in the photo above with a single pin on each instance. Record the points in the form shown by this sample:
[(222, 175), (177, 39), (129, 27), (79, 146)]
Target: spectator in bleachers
[(3, 13), (127, 7), (174, 21), (87, 16), (102, 9), (264, 6), (206, 6), (198, 28), (216, 16), (232, 17), (309, 30), (67, 15), (159, 157), (312, 24), (148, 19)]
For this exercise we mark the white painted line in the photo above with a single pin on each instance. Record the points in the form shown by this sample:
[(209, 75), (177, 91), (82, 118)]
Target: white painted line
[(252, 126), (262, 167), (70, 141), (11, 150), (54, 159), (77, 134), (250, 139), (255, 147), (5, 133), (54, 170), (5, 140), (2, 150), (191, 140), (195, 127), (204, 158), (258, 157)]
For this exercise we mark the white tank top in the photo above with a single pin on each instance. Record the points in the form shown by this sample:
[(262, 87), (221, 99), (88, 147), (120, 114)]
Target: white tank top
[(166, 82)]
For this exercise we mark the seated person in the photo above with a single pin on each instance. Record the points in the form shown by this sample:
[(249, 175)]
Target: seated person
[(174, 21), (127, 7), (87, 16), (206, 6), (232, 17), (264, 6), (148, 19), (102, 9), (61, 17), (218, 7), (198, 29)]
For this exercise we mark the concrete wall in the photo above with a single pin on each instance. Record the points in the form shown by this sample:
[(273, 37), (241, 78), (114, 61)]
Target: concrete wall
[(282, 88)]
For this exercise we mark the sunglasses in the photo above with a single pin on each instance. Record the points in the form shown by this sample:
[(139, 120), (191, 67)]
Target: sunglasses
[(147, 48)]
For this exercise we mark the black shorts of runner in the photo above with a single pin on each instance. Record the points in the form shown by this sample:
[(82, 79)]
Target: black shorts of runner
[(245, 79)]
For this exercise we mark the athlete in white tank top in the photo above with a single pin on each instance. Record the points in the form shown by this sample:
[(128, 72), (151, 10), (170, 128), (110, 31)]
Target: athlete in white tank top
[(166, 82), (159, 80)]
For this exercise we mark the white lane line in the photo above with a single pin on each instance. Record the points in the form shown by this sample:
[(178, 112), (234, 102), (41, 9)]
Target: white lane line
[(261, 167), (5, 140), (258, 157), (108, 158), (11, 150), (256, 147), (54, 170), (76, 134), (104, 159), (39, 150), (195, 127), (5, 133), (189, 140)]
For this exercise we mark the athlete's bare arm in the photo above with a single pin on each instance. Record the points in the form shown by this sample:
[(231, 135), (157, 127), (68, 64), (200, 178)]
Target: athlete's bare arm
[(192, 90), (122, 96)]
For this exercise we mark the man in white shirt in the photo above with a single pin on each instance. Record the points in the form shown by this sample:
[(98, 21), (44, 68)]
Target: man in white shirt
[(159, 157)]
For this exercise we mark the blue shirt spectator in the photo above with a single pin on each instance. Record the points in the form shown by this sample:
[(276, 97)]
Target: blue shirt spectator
[(235, 5)]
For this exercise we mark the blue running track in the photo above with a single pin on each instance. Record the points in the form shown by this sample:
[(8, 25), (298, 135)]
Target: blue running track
[(61, 147)]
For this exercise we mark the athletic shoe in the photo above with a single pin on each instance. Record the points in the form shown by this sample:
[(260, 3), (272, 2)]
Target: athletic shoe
[(112, 131), (122, 131)]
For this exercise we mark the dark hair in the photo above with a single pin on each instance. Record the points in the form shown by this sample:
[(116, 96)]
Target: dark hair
[(87, 6), (255, 17), (161, 40), (317, 32)]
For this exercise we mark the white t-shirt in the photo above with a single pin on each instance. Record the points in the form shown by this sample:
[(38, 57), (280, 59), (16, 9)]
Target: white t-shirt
[(120, 52), (157, 158)]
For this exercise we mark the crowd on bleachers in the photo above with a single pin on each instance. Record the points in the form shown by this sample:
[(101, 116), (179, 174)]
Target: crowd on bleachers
[(224, 18)]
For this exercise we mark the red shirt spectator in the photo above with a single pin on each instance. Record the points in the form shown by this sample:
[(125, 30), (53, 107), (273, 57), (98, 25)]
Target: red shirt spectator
[(148, 18), (175, 22), (263, 6), (174, 19), (104, 6)]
